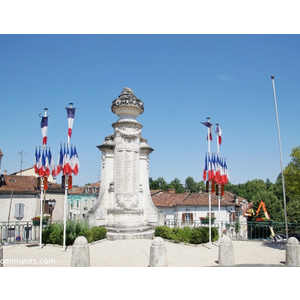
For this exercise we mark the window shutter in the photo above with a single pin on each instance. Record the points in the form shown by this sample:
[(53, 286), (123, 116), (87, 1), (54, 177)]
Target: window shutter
[(191, 217), (183, 217), (19, 211)]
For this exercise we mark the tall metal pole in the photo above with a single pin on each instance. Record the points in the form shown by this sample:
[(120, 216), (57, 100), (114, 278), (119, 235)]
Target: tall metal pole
[(209, 185), (65, 210), (219, 187), (66, 195), (42, 194), (281, 165)]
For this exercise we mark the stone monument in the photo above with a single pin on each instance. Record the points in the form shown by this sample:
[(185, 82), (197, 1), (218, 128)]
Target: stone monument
[(124, 205)]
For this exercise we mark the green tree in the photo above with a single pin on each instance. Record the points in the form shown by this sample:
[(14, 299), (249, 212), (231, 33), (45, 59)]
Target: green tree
[(158, 184), (293, 211), (177, 185), (191, 185), (273, 205), (292, 174)]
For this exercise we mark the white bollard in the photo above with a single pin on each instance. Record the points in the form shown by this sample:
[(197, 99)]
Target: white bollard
[(292, 254), (1, 257), (226, 253), (80, 253), (158, 253)]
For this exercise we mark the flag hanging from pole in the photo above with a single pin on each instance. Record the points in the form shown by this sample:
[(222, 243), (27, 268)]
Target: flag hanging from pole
[(71, 115), (74, 161), (226, 173), (51, 163), (205, 169), (59, 166), (210, 127), (210, 169), (36, 161), (218, 175), (66, 162), (44, 127), (219, 133)]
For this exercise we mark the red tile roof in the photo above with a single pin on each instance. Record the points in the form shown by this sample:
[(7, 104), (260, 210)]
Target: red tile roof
[(164, 199), (19, 184), (25, 184)]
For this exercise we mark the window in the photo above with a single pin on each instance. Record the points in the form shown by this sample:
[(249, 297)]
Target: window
[(187, 218), (19, 211)]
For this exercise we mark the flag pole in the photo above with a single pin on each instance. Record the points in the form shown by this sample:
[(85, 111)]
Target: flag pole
[(219, 186), (42, 193), (209, 185), (281, 165), (66, 193)]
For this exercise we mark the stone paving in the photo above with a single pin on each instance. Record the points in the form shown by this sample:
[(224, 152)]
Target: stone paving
[(136, 252)]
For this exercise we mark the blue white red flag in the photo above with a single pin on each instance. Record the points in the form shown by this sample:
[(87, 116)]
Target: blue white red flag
[(66, 162), (205, 169), (224, 179), (219, 133), (214, 167), (210, 127), (210, 169), (72, 159), (76, 165), (47, 165), (44, 127), (227, 177), (217, 174), (36, 161), (51, 163), (71, 115), (39, 162), (59, 166)]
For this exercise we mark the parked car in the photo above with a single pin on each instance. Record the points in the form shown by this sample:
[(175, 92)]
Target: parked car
[(281, 238)]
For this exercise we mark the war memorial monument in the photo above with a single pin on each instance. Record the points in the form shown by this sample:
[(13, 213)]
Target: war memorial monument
[(124, 205)]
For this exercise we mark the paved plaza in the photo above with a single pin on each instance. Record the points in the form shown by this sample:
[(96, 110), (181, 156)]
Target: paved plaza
[(136, 252)]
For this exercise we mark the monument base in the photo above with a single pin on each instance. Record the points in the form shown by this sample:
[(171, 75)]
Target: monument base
[(114, 233)]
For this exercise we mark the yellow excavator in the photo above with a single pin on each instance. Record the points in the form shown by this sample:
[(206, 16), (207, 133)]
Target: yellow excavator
[(249, 212)]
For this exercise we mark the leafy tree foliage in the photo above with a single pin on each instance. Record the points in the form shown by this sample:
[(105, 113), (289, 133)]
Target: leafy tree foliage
[(292, 174), (273, 205), (192, 185), (177, 185), (293, 211)]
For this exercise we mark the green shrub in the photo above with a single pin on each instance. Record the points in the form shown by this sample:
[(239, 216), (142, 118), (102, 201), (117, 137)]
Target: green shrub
[(164, 232), (95, 234), (181, 234), (53, 234), (200, 235)]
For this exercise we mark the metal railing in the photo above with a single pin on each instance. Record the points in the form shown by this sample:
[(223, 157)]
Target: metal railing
[(240, 230), (19, 232)]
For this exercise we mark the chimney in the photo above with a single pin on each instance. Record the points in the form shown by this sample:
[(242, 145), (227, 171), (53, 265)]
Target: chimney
[(171, 191)]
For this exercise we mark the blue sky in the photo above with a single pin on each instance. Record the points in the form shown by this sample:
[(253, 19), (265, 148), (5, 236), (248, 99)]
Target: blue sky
[(182, 79)]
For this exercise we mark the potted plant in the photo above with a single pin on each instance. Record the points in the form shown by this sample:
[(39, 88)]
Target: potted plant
[(36, 220), (206, 220)]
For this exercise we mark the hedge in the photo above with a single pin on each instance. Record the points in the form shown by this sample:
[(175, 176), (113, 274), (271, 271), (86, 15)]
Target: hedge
[(53, 234), (196, 235)]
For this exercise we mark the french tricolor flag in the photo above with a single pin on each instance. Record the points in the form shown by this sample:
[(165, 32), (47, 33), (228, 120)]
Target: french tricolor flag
[(210, 127), (44, 127), (205, 169), (71, 115), (219, 133)]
